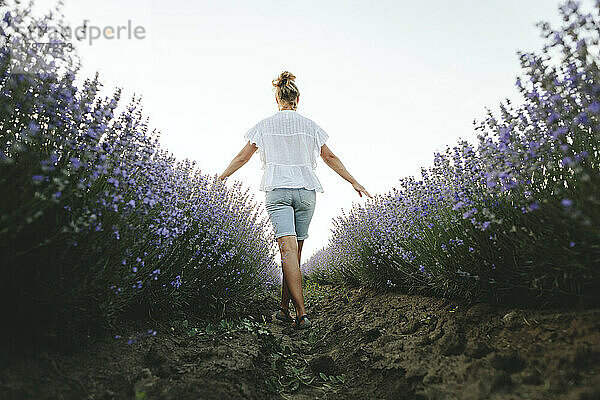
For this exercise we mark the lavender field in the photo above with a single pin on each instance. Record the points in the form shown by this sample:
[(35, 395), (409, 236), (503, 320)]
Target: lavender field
[(127, 273), (98, 221), (512, 218)]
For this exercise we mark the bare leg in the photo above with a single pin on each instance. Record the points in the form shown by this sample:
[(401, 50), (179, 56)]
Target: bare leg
[(288, 245), (285, 291)]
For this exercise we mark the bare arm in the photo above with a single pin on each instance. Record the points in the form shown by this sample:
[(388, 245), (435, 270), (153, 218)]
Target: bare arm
[(336, 164), (239, 160)]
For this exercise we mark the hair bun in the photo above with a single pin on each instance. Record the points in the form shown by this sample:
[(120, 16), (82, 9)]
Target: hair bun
[(283, 79), (286, 91)]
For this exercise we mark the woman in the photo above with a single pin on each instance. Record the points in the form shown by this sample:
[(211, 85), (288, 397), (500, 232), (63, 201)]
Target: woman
[(289, 145)]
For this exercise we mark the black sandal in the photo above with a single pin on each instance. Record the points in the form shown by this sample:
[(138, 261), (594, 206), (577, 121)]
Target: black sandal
[(305, 325), (283, 315)]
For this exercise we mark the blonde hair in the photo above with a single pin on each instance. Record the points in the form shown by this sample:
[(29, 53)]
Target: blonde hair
[(285, 89)]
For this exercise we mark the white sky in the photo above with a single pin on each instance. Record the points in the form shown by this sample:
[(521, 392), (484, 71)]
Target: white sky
[(390, 81)]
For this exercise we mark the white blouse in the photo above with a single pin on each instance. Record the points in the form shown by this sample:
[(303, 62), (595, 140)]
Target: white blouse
[(288, 144)]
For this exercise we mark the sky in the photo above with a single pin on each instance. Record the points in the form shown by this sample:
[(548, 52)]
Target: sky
[(391, 82)]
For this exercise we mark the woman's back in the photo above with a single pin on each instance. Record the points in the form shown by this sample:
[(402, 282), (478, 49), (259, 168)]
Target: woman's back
[(289, 145)]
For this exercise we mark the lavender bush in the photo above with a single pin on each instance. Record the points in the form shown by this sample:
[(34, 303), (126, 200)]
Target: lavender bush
[(96, 220), (515, 218)]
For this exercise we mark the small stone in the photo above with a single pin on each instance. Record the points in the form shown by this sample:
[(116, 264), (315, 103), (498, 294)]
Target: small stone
[(511, 320)]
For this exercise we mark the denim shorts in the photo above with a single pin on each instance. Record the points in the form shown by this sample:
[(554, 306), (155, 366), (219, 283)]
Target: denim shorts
[(290, 210)]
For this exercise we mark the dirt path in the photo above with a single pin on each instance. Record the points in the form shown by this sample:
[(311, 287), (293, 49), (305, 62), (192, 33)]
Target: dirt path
[(413, 347), (388, 346)]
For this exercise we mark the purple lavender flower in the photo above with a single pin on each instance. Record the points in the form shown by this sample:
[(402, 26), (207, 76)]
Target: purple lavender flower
[(567, 202), (594, 108), (75, 162), (177, 282), (567, 161)]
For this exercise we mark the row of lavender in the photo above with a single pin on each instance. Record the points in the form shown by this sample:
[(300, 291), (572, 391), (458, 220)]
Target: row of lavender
[(96, 220), (515, 218)]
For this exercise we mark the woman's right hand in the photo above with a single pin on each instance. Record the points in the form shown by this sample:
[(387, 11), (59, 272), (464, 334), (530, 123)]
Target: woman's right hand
[(359, 188)]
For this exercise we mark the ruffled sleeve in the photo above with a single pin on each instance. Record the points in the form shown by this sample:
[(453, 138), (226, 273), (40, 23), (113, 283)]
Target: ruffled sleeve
[(321, 137), (254, 136)]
